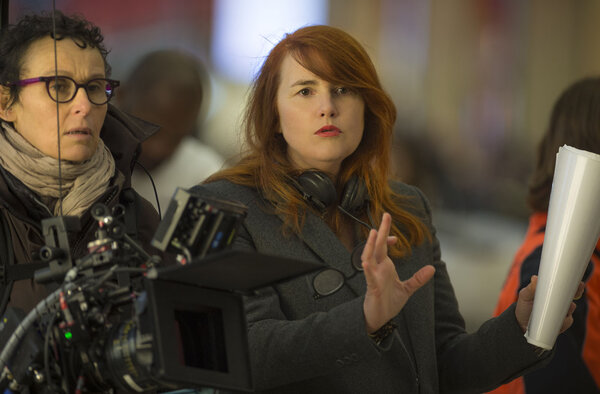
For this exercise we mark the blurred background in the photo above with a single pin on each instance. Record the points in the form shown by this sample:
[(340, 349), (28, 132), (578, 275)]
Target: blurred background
[(473, 82)]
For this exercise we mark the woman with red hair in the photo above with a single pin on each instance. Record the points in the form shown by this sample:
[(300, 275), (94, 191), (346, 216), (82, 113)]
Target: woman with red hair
[(381, 315)]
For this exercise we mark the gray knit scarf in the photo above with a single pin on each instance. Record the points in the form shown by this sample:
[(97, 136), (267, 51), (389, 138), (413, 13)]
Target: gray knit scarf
[(82, 183)]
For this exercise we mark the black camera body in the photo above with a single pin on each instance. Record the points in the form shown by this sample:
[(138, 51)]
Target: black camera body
[(180, 336), (114, 323), (120, 321), (195, 226)]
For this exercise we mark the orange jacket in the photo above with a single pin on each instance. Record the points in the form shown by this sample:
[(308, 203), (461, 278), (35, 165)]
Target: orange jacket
[(577, 351)]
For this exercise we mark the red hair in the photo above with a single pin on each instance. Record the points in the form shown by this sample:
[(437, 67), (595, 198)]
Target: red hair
[(334, 56)]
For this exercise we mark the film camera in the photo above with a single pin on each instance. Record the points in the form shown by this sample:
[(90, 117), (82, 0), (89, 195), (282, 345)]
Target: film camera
[(119, 321)]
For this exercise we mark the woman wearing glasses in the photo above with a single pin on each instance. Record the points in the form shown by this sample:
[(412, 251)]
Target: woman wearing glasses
[(314, 177), (51, 100)]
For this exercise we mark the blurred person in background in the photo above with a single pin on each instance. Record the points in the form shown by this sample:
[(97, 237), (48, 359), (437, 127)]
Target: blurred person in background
[(168, 88), (575, 367), (381, 316)]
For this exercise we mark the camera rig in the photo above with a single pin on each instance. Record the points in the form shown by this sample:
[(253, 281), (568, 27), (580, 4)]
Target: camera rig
[(119, 321)]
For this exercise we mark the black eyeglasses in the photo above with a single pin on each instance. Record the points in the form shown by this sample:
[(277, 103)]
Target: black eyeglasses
[(63, 89), (330, 280)]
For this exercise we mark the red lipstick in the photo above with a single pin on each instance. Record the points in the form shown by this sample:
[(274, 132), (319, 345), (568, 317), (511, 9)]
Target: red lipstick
[(328, 131)]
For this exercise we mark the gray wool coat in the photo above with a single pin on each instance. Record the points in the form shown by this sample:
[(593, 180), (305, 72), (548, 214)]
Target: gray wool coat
[(299, 344)]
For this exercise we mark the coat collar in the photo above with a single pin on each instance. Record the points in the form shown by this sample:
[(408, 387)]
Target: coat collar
[(323, 242), (123, 133)]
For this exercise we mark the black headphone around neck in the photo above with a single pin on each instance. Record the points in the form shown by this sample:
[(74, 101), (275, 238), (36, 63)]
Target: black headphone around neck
[(318, 189)]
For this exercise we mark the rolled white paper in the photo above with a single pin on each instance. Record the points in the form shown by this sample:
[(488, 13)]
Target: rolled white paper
[(572, 232)]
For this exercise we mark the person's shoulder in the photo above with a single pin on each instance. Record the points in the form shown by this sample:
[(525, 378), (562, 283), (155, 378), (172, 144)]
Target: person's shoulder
[(410, 197), (404, 189), (117, 121), (195, 152), (224, 188), (191, 163), (193, 144)]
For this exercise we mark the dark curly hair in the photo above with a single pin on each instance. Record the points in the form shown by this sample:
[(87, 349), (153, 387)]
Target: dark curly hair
[(16, 39)]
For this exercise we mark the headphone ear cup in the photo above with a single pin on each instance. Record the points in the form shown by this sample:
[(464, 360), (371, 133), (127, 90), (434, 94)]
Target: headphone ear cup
[(318, 188), (355, 195)]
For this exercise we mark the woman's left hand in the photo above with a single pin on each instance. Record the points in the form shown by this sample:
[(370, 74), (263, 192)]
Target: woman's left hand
[(525, 305)]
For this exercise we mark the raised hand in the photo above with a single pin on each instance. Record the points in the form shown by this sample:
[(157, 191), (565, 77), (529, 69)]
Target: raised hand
[(386, 293)]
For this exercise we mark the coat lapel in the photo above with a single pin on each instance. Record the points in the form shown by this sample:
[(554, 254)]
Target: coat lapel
[(323, 242)]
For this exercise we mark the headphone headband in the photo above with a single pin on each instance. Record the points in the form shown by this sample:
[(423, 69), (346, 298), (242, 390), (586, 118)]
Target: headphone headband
[(318, 189)]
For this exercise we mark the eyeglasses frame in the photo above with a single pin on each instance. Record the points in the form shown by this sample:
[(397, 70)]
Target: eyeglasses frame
[(24, 82)]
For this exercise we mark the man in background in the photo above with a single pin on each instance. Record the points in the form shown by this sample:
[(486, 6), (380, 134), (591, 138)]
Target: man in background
[(167, 87)]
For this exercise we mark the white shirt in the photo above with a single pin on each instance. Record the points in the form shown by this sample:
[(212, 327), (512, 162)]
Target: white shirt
[(191, 163)]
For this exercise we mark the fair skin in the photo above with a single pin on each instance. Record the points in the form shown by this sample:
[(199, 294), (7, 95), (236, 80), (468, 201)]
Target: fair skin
[(34, 114), (321, 123)]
